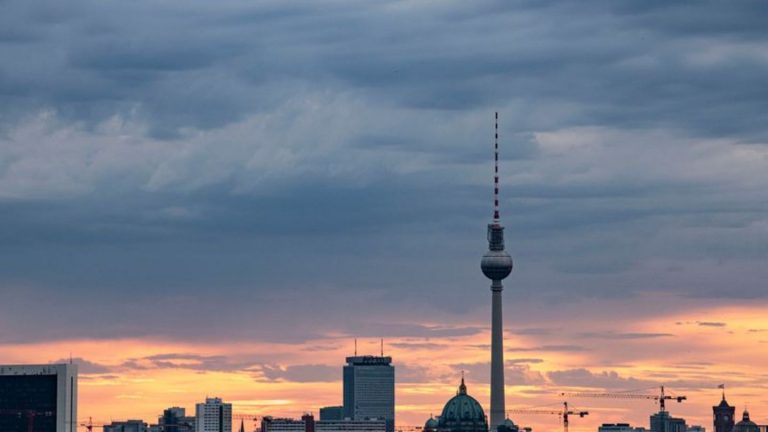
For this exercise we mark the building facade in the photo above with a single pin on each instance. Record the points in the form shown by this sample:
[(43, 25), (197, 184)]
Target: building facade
[(126, 426), (332, 413), (308, 424), (746, 425), (213, 416), (620, 427), (463, 413), (662, 421), (369, 389), (723, 416), (351, 426), (175, 419), (42, 398)]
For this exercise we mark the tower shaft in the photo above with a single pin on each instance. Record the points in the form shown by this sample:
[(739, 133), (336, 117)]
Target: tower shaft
[(498, 408)]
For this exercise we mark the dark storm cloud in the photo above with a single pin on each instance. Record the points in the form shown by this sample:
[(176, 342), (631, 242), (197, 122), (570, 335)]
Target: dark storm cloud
[(624, 336), (514, 373), (681, 379), (418, 345), (121, 58), (534, 331), (711, 324), (525, 360), (186, 361), (301, 373), (331, 158), (548, 348), (86, 367), (605, 379)]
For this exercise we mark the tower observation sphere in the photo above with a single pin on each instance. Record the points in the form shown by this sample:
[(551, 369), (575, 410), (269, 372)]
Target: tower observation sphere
[(496, 264)]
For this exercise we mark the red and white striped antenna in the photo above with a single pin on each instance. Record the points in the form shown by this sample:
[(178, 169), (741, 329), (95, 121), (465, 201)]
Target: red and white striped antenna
[(496, 172)]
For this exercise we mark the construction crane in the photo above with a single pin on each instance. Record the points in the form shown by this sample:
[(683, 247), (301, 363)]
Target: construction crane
[(564, 413), (29, 414), (661, 398)]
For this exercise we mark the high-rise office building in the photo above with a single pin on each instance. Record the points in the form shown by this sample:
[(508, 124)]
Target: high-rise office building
[(496, 265), (662, 421), (369, 389), (332, 413), (42, 398), (213, 416), (175, 419)]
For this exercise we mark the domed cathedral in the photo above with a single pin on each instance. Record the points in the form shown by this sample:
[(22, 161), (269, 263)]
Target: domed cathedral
[(462, 413), (508, 426), (724, 416), (746, 425)]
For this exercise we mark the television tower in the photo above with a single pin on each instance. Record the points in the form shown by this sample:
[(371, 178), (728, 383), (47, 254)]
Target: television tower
[(496, 265)]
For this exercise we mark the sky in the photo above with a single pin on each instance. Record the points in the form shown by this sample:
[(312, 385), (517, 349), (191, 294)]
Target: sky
[(215, 198)]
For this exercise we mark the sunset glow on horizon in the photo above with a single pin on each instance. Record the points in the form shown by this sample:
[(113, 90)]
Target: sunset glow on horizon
[(690, 353)]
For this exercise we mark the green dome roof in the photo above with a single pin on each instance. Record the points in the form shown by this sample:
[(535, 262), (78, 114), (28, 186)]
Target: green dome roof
[(463, 413), (746, 425), (431, 424)]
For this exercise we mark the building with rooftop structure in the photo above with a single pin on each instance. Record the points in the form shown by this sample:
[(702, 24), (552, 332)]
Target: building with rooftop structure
[(462, 413), (746, 425), (369, 389), (42, 398)]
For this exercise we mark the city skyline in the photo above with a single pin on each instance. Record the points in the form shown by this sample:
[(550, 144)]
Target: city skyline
[(215, 199)]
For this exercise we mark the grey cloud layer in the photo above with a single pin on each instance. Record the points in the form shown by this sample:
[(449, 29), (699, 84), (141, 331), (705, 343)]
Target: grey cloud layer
[(320, 156)]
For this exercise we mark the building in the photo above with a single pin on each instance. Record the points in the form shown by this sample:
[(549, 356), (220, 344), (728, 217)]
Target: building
[(696, 429), (332, 413), (662, 421), (42, 398), (509, 426), (270, 424), (620, 427), (379, 425), (496, 265), (430, 425), (127, 426), (213, 416), (723, 416), (369, 389), (462, 413), (175, 419), (746, 425), (307, 423)]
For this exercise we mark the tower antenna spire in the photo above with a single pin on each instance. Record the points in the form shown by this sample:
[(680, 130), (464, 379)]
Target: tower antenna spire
[(355, 347), (496, 170)]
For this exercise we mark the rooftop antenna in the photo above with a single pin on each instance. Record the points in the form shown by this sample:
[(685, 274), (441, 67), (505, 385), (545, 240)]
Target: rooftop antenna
[(382, 347), (355, 347), (496, 217)]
